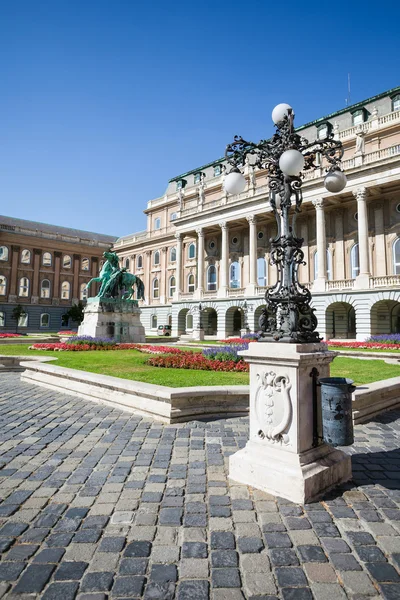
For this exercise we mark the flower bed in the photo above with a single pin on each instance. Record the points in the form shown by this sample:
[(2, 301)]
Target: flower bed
[(228, 353), (363, 345), (10, 335), (67, 333), (197, 362), (386, 338), (99, 344)]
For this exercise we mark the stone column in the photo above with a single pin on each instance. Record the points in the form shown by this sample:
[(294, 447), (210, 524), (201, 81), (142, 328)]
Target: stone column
[(12, 290), (319, 284), (55, 292), (380, 247), (340, 272), (200, 263), (362, 280), (224, 263), (147, 276), (75, 285), (37, 253), (95, 273), (251, 288), (178, 273)]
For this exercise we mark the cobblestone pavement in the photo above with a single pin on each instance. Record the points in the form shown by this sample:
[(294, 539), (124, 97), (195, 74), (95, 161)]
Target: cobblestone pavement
[(98, 504)]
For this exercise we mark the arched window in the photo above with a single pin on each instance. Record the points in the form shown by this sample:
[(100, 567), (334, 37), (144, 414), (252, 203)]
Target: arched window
[(211, 278), (156, 288), (2, 319), (157, 223), (67, 261), (85, 264), (45, 289), (3, 253), (44, 320), (261, 271), (192, 250), (23, 287), (156, 260), (26, 257), (154, 322), (3, 285), (83, 291), (65, 290), (139, 262), (23, 320), (172, 255), (354, 261), (328, 265), (46, 259), (191, 283), (396, 257), (234, 275), (127, 264), (172, 286)]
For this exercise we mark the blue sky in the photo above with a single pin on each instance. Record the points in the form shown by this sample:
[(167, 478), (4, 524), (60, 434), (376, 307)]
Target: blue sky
[(103, 101)]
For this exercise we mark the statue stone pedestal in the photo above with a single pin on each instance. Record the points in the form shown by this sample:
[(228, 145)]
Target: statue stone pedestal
[(113, 318), (279, 457)]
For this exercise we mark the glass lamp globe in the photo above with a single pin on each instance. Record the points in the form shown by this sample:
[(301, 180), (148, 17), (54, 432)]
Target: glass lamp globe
[(335, 181), (280, 112), (291, 162), (234, 183)]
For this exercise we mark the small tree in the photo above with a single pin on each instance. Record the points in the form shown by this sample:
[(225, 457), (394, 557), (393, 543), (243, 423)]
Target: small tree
[(17, 313), (75, 313)]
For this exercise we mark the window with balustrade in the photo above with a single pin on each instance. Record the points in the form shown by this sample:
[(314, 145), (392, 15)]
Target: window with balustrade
[(191, 284), (171, 286), (3, 285), (354, 261), (234, 275), (26, 257), (3, 253), (45, 289), (261, 271), (24, 284), (156, 288), (45, 320), (329, 273), (396, 257), (211, 278)]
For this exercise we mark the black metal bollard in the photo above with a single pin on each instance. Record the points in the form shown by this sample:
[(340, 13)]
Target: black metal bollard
[(337, 420)]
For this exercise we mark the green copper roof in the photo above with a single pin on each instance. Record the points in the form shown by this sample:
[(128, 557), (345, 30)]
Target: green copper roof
[(350, 108)]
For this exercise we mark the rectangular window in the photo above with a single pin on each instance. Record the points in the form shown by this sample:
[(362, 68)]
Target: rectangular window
[(217, 170), (23, 320), (197, 178), (358, 117)]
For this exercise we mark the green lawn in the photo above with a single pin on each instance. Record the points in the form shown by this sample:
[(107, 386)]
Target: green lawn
[(130, 364), (336, 349)]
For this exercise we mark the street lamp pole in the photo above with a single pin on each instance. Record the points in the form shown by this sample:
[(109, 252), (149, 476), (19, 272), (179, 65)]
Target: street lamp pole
[(288, 316)]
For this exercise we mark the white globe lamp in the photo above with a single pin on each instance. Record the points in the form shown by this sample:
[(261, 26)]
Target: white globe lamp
[(234, 183), (335, 181), (291, 162), (280, 112)]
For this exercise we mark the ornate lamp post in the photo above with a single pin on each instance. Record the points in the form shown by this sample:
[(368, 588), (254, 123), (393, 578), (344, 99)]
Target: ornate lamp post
[(288, 316)]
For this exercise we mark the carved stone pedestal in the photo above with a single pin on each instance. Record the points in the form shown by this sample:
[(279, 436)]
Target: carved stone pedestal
[(279, 457), (117, 319), (198, 334)]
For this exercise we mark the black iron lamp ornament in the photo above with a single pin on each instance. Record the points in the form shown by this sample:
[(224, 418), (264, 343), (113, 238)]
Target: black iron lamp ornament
[(288, 316)]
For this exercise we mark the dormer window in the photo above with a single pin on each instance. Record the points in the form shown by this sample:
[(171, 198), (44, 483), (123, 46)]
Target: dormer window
[(359, 116), (197, 178), (180, 184), (323, 131), (217, 170), (396, 102)]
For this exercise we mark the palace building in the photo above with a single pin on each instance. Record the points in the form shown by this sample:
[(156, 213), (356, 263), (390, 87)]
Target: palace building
[(206, 253), (45, 269)]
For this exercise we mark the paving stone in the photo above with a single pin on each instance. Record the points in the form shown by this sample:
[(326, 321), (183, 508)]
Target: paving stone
[(192, 568), (70, 571), (328, 591), (277, 540), (335, 545), (21, 552), (159, 591), (345, 562), (58, 591), (49, 555), (97, 582), (129, 586), (165, 554), (10, 571), (357, 583), (225, 578), (224, 558), (194, 550), (320, 572), (297, 593), (290, 576), (370, 554), (34, 579), (390, 591), (311, 554), (383, 572), (138, 549), (163, 573), (250, 545), (133, 566), (193, 590), (360, 538), (283, 557), (223, 540)]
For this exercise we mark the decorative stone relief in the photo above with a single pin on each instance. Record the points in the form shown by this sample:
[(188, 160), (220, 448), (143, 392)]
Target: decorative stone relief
[(273, 407)]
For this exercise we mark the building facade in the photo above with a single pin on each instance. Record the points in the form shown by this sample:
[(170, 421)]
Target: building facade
[(205, 254), (45, 268)]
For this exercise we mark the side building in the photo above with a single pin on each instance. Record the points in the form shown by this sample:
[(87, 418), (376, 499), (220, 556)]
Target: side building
[(207, 253), (45, 269)]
